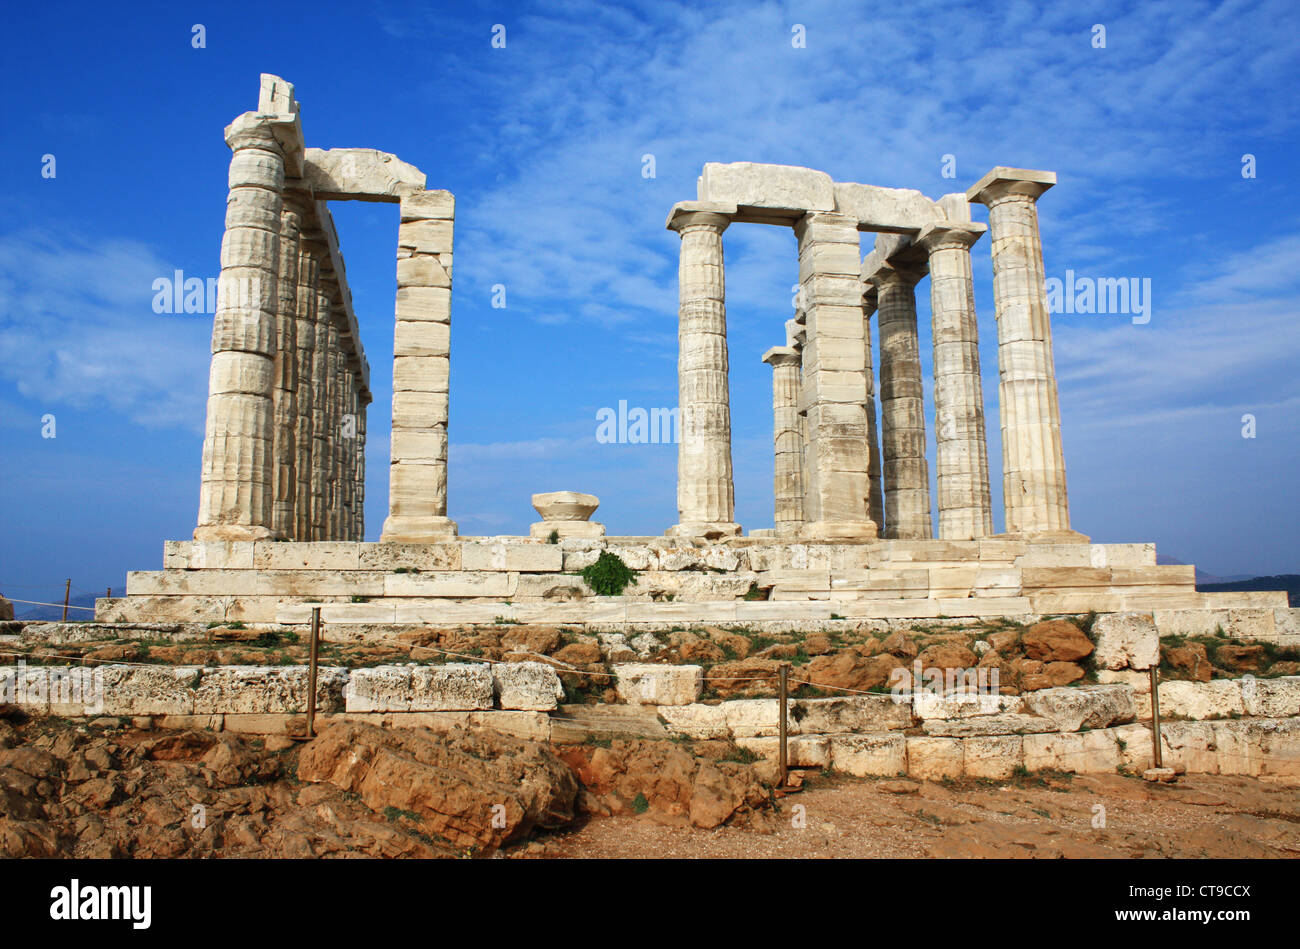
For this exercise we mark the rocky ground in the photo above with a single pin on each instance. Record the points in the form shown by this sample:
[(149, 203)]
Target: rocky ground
[(109, 789)]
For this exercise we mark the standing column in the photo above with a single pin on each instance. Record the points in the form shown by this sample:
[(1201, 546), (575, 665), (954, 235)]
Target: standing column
[(961, 459), (333, 426), (836, 378), (875, 490), (347, 449), (705, 490), (787, 440), (304, 400), (236, 488), (1033, 461), (286, 372), (902, 402), (359, 502), (320, 409), (417, 492)]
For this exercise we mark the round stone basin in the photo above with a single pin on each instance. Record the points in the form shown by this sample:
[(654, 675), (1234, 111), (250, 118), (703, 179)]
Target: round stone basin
[(565, 505)]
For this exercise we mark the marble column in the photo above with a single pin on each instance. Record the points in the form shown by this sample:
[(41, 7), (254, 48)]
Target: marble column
[(961, 457), (875, 488), (836, 378), (235, 493), (348, 449), (309, 256), (359, 499), (333, 427), (283, 442), (902, 403), (1033, 460), (320, 408), (417, 492), (787, 440), (705, 489)]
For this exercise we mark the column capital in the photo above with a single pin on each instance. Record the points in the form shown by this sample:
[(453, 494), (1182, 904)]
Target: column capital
[(877, 272), (686, 214), (939, 236), (781, 356), (1002, 182), (796, 334)]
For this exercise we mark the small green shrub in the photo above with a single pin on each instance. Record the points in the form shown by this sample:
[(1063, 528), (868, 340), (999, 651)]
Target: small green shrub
[(639, 803), (609, 575)]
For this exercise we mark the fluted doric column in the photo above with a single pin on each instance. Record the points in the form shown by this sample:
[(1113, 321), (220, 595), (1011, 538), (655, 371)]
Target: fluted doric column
[(837, 379), (705, 489), (320, 407), (417, 492), (961, 457), (902, 400), (235, 494), (359, 494), (286, 372), (1033, 460), (787, 438), (304, 398), (875, 489)]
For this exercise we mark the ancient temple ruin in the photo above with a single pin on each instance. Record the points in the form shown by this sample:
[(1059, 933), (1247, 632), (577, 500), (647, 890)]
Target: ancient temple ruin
[(280, 528)]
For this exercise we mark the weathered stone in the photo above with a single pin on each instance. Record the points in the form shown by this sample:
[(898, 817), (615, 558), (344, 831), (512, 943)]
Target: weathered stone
[(1126, 640), (879, 754), (267, 690), (527, 686), (1009, 723), (1095, 706), (454, 686), (645, 684)]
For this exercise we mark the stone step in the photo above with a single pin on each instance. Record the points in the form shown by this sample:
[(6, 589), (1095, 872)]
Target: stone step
[(573, 724)]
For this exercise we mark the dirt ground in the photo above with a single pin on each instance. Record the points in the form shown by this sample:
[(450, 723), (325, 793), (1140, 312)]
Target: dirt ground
[(1043, 816)]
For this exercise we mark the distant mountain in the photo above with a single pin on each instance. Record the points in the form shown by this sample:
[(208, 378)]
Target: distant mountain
[(1290, 582), (56, 612)]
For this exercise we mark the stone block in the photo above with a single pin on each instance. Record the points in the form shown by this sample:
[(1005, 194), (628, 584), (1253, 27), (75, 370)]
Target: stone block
[(647, 684), (526, 686), (1091, 706), (802, 751), (779, 187), (1126, 640), (995, 757), (882, 754), (858, 713), (266, 690), (306, 555), (411, 688), (147, 690), (531, 558), (1189, 747), (1220, 698), (1271, 698), (1008, 723), (932, 759), (696, 720), (1077, 752)]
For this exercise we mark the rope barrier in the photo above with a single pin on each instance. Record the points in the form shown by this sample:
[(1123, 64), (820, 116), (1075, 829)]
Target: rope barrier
[(14, 599)]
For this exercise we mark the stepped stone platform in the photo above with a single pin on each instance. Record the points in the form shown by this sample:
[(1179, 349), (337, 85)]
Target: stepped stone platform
[(483, 580)]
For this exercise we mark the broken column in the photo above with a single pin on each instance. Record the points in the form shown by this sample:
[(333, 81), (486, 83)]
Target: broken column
[(1033, 461), (705, 490), (417, 494), (902, 400), (836, 378), (787, 440), (961, 458)]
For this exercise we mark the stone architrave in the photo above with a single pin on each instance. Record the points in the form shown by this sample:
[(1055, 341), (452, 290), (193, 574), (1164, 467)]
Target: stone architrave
[(705, 489), (961, 458), (902, 408), (1033, 460), (836, 379), (787, 440), (236, 490), (417, 493)]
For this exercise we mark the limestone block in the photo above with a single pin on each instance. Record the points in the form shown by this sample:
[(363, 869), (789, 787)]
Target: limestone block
[(995, 757), (858, 713), (1266, 746), (426, 238), (361, 174), (1078, 752), (145, 690), (802, 751), (780, 187), (1008, 723), (932, 759), (882, 754), (450, 687), (526, 686), (1220, 698), (1126, 640), (423, 303), (647, 684), (753, 718), (1189, 747), (1190, 622), (696, 720), (410, 557), (930, 704), (1092, 706), (428, 206), (306, 555), (460, 584), (562, 529), (1135, 751), (266, 690), (1254, 624), (1270, 698), (220, 555), (531, 558)]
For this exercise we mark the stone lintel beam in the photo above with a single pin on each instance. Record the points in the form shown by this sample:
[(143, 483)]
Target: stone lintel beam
[(781, 356), (1003, 181), (360, 174), (781, 192), (886, 210)]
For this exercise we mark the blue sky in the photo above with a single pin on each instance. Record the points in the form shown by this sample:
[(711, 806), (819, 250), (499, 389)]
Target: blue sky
[(542, 143)]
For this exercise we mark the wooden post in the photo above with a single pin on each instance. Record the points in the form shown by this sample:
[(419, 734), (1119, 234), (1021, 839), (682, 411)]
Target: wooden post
[(1155, 717), (784, 758), (311, 672), (67, 589)]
